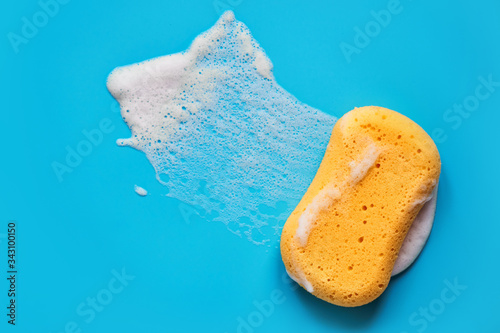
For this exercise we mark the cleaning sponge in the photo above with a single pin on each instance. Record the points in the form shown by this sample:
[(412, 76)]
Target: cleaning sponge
[(342, 240)]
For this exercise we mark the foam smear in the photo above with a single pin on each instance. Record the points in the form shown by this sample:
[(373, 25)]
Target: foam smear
[(360, 169), (221, 134), (322, 201), (417, 235), (302, 280), (140, 191), (331, 193)]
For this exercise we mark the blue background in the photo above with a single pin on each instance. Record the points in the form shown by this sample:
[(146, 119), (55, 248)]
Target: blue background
[(194, 276)]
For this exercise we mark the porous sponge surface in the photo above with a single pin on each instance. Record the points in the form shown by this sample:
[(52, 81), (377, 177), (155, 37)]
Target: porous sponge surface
[(343, 238)]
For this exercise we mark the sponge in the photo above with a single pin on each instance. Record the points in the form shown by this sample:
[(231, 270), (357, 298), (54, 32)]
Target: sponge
[(342, 240)]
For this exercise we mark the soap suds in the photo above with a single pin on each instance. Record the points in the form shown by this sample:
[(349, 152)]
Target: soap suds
[(140, 191), (301, 279), (360, 169), (221, 134), (263, 65), (417, 235), (321, 201), (330, 193)]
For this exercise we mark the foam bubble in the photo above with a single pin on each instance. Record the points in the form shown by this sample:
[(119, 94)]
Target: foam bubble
[(219, 131), (321, 201), (328, 195), (140, 191), (360, 169), (302, 280), (417, 235)]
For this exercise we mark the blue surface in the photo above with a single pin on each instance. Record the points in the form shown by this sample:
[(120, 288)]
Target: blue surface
[(75, 235)]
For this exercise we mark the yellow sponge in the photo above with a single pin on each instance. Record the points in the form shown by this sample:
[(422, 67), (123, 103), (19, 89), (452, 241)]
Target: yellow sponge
[(342, 240)]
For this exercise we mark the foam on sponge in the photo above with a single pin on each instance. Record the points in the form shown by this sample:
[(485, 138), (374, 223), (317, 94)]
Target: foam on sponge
[(342, 240)]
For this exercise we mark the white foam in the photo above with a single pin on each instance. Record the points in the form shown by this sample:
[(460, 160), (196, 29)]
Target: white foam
[(140, 191), (221, 134), (263, 65), (330, 193), (417, 235), (321, 201), (360, 169), (307, 285), (301, 279)]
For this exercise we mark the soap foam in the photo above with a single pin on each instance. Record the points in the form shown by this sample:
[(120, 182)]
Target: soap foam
[(417, 235), (360, 169), (322, 201), (140, 191), (328, 195), (302, 280), (221, 134)]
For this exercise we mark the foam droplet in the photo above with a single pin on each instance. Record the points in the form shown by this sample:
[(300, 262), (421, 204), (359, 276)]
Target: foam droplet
[(140, 191)]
